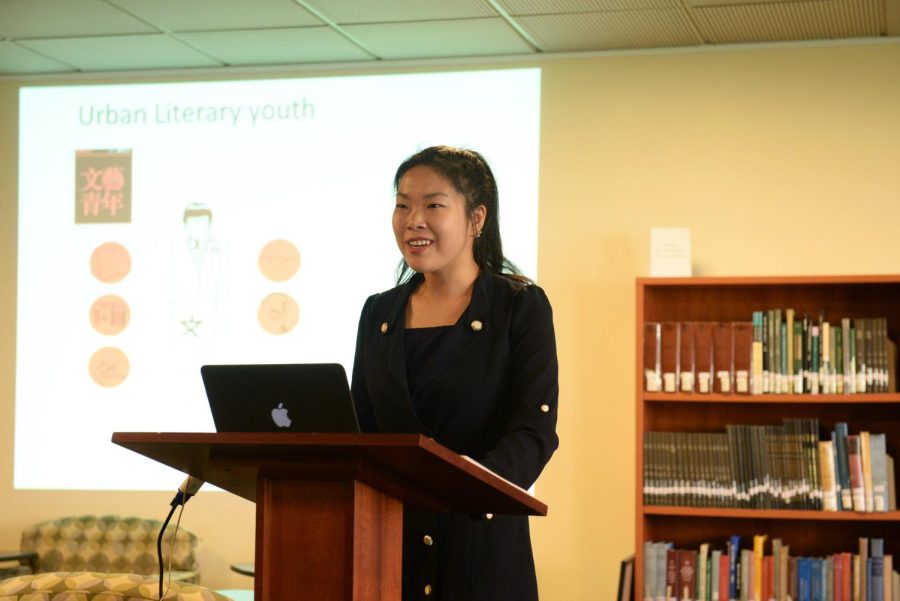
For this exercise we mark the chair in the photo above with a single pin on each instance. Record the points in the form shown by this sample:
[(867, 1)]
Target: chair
[(94, 586), (108, 543)]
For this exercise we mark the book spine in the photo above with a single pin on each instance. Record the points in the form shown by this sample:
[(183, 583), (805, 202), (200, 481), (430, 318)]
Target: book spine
[(876, 582), (843, 465), (826, 466), (857, 487)]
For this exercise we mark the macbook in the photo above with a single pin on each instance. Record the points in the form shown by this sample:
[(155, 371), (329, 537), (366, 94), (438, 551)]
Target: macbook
[(300, 397)]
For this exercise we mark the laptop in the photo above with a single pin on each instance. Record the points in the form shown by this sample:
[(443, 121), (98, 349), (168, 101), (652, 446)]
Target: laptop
[(300, 397)]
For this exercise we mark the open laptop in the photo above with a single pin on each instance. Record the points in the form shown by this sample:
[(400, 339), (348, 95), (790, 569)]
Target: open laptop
[(300, 397)]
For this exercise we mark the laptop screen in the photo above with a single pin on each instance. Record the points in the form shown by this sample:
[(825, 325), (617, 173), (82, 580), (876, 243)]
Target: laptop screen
[(299, 397)]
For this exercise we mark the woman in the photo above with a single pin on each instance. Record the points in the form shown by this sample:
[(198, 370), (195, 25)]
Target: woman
[(462, 350)]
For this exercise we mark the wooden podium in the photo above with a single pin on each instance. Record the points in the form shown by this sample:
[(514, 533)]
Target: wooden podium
[(329, 507)]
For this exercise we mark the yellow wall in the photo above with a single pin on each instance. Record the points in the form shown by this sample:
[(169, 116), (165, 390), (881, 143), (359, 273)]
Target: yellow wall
[(781, 160)]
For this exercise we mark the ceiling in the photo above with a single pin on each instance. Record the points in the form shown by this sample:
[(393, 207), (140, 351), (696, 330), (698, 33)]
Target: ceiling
[(89, 36)]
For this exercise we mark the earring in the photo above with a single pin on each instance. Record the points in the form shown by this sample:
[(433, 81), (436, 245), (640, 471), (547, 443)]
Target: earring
[(477, 234)]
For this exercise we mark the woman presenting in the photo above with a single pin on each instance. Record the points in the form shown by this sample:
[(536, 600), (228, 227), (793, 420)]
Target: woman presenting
[(463, 351)]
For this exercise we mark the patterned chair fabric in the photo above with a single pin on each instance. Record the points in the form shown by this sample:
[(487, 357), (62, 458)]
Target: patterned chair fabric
[(93, 586), (111, 543)]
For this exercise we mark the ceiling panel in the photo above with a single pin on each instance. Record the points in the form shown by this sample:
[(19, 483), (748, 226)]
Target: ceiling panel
[(551, 7), (611, 30), (207, 15), (17, 59), (48, 18), (438, 39), (171, 34), (385, 11), (790, 21), (154, 51), (277, 46)]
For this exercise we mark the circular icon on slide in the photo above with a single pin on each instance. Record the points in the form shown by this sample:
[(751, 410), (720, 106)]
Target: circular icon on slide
[(279, 260), (278, 313), (110, 262), (108, 367), (110, 314)]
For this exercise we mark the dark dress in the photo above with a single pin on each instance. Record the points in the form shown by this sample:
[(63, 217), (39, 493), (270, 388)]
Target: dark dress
[(485, 387)]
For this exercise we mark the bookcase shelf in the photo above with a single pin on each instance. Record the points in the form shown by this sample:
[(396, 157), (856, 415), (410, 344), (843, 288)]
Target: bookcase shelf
[(775, 514), (765, 399), (808, 532)]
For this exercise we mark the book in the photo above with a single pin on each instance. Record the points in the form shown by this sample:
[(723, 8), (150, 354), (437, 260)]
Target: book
[(847, 372), (789, 351), (650, 563), (672, 575), (842, 465), (652, 357), (687, 574), (857, 487), (759, 542), (866, 451), (702, 559), (846, 561), (662, 550), (826, 467), (734, 554), (888, 577), (671, 332), (722, 359), (703, 356), (687, 363), (891, 486), (876, 582), (715, 566), (724, 578), (741, 355), (878, 460), (756, 381), (804, 579), (863, 568), (859, 325), (815, 347)]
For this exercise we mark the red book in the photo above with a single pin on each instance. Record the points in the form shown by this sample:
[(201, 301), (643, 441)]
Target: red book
[(768, 578), (723, 577), (847, 563), (671, 575), (687, 575)]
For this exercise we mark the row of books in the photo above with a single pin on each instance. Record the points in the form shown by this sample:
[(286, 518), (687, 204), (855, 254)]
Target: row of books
[(777, 352), (735, 574), (770, 467)]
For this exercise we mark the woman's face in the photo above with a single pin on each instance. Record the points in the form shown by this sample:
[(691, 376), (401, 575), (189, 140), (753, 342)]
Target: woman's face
[(432, 226)]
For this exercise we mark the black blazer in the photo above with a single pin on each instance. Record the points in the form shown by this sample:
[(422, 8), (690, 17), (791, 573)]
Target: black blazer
[(490, 391)]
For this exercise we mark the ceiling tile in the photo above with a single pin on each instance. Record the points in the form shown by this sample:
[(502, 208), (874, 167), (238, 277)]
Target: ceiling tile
[(155, 51), (436, 39), (773, 22), (386, 11), (16, 59), (551, 7), (277, 46), (49, 18), (611, 30), (207, 15)]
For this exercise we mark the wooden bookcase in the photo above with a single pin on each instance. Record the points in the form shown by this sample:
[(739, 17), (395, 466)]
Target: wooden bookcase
[(813, 533)]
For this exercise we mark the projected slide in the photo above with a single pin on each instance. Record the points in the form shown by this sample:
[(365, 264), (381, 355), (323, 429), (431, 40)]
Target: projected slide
[(165, 226)]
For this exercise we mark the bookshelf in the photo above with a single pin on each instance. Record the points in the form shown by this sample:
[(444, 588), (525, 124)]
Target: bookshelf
[(808, 532)]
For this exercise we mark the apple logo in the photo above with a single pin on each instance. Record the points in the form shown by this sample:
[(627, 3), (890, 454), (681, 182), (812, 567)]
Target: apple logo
[(280, 416)]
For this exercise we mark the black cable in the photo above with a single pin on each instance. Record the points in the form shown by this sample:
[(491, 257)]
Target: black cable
[(159, 548)]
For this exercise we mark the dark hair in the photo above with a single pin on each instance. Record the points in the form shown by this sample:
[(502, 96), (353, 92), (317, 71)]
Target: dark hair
[(471, 176)]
